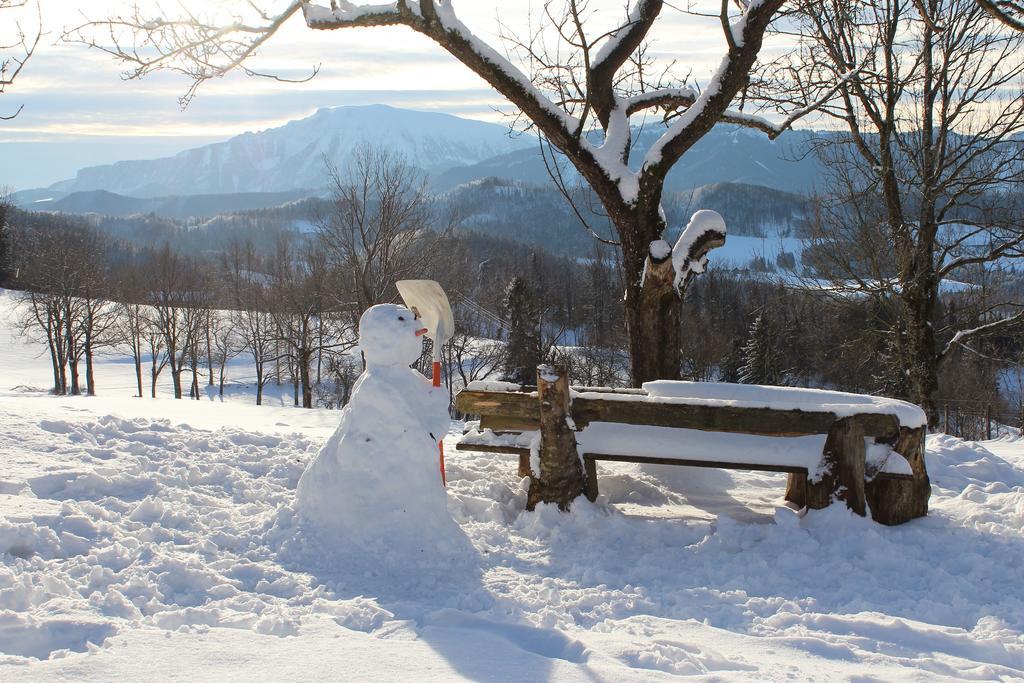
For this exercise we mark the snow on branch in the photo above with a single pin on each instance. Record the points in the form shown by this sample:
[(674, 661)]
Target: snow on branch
[(705, 231), (963, 336), (623, 41), (343, 14), (1009, 12), (746, 34), (437, 20)]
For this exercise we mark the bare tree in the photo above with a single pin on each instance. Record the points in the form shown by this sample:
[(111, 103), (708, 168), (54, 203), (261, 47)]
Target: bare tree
[(17, 44), (380, 229), (178, 304), (301, 306), (927, 175), (225, 343), (580, 103)]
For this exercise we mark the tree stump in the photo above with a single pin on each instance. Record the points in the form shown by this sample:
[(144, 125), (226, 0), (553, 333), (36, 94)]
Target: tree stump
[(895, 501), (840, 475), (560, 479)]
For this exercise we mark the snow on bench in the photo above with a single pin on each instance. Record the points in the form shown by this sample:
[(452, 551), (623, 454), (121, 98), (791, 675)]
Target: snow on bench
[(820, 438)]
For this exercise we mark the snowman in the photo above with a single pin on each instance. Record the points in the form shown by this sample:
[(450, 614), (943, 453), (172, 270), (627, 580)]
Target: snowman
[(376, 482)]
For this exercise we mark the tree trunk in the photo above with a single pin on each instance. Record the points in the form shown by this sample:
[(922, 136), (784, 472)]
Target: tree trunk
[(652, 310), (259, 383), (76, 388), (561, 478), (55, 361), (90, 379), (137, 350), (922, 359), (195, 377), (176, 379), (209, 349), (307, 389)]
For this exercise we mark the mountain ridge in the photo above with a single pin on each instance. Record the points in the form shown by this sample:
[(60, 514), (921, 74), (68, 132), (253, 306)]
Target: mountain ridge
[(448, 149)]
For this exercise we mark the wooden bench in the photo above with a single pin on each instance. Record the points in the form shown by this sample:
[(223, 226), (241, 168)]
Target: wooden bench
[(868, 459)]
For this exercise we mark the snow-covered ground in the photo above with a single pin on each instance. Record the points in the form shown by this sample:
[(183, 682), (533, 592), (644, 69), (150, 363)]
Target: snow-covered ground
[(151, 539)]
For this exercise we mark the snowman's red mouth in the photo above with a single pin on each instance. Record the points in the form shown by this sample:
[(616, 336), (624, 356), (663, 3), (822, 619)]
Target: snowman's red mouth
[(420, 333)]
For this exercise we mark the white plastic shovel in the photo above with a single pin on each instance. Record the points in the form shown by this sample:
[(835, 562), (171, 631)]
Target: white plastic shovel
[(427, 300)]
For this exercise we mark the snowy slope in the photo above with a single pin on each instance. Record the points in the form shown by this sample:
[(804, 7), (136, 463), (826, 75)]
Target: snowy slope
[(290, 157), (146, 539)]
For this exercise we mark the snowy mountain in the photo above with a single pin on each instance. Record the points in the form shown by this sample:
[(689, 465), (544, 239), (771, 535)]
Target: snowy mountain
[(291, 157), (451, 150)]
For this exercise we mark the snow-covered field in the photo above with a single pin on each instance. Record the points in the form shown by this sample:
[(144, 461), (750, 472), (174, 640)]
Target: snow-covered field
[(148, 539)]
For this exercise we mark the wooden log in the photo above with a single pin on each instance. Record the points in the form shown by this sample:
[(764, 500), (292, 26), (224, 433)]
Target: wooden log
[(896, 500), (759, 421), (508, 424), (523, 407), (590, 468), (841, 474), (487, 448), (512, 404), (523, 468), (524, 465), (719, 464), (561, 479)]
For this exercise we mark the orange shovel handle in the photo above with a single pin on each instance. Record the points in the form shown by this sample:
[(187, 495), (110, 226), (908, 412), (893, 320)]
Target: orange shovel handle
[(440, 444)]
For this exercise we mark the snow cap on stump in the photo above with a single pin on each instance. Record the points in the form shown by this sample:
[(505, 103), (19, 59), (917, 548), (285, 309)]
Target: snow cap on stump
[(705, 231), (387, 335)]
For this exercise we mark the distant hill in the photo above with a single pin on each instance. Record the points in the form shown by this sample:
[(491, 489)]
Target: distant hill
[(728, 154), (538, 215), (186, 206)]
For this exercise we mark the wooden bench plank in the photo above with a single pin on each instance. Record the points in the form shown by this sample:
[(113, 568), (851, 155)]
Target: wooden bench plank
[(510, 404), (522, 408), (648, 460), (758, 421)]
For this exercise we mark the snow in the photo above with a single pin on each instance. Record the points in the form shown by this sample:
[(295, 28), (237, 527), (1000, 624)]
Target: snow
[(492, 385), (840, 403), (701, 223), (606, 438), (660, 250), (347, 12), (154, 539)]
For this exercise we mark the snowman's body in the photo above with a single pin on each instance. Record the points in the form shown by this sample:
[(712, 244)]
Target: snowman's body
[(376, 482)]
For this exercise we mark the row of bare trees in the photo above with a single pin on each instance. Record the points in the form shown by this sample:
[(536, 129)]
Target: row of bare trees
[(292, 311)]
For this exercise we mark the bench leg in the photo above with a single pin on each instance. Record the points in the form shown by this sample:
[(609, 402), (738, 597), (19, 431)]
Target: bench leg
[(841, 476), (524, 465), (796, 489), (590, 468)]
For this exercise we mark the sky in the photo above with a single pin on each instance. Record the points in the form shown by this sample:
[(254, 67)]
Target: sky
[(80, 111)]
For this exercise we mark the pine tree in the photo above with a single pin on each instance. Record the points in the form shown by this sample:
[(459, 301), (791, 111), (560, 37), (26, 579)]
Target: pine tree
[(761, 356), (523, 314)]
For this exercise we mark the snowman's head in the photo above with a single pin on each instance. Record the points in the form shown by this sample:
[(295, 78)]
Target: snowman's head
[(389, 334)]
